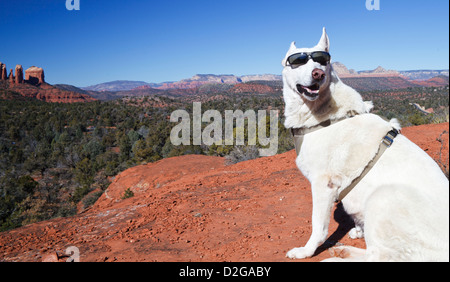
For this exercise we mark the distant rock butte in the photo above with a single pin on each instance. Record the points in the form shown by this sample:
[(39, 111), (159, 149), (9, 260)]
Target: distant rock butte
[(35, 75), (11, 77), (343, 72), (3, 72), (341, 69), (33, 85), (19, 74)]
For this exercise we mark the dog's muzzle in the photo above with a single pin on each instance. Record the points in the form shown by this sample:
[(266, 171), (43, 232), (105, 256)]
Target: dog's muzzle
[(311, 92)]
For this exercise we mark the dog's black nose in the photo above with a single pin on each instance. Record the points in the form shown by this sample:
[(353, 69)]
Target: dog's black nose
[(318, 74)]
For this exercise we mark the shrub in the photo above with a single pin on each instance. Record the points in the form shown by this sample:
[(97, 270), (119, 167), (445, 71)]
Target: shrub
[(242, 153), (127, 194)]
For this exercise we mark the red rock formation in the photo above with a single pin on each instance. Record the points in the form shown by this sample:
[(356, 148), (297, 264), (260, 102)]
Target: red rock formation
[(34, 75), (11, 76), (48, 93), (3, 74), (19, 74), (34, 87), (437, 81)]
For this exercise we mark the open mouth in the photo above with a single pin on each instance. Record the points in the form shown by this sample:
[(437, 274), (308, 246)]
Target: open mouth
[(311, 92)]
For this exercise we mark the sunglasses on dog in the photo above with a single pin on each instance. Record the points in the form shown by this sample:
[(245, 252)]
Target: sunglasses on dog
[(298, 59)]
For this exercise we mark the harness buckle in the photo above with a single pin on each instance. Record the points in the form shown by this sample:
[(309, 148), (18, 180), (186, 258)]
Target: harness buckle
[(389, 138)]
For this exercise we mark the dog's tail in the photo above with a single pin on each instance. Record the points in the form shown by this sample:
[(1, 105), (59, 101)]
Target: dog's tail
[(395, 124)]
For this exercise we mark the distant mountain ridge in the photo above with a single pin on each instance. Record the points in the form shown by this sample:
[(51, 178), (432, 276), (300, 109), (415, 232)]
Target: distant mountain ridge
[(193, 82), (343, 71), (202, 79), (424, 74), (16, 87), (116, 85)]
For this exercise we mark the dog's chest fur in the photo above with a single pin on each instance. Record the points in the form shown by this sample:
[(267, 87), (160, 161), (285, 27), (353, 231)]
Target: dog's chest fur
[(334, 153)]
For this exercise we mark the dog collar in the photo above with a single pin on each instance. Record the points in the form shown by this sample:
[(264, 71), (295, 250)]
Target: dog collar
[(299, 133)]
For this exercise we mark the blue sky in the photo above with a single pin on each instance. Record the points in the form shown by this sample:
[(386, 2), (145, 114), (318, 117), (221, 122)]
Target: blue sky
[(157, 41)]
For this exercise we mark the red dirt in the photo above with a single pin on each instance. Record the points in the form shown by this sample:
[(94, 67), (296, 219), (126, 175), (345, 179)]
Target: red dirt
[(195, 208)]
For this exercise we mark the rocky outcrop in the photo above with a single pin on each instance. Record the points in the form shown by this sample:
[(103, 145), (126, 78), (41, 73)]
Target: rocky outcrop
[(19, 74), (3, 73), (11, 77), (34, 75), (33, 86), (48, 93), (343, 71), (379, 70)]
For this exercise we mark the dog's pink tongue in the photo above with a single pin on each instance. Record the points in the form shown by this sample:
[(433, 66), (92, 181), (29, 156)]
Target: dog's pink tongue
[(311, 91)]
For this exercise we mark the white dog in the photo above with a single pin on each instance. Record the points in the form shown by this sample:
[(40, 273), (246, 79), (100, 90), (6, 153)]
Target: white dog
[(401, 206)]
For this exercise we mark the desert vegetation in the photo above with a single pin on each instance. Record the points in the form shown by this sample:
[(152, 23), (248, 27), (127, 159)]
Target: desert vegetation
[(57, 159)]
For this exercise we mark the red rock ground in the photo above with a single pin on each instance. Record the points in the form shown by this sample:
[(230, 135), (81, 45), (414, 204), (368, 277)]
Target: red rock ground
[(195, 208)]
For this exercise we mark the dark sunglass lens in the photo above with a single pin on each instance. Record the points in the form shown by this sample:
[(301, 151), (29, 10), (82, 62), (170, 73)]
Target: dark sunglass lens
[(321, 57), (298, 59)]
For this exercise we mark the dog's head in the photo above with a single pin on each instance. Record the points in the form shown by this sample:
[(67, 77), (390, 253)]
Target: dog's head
[(307, 71)]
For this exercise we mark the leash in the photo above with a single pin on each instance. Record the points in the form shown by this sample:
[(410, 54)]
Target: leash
[(299, 134)]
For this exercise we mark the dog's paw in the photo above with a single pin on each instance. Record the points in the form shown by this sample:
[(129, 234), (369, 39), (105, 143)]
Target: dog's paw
[(339, 252), (356, 233), (299, 253)]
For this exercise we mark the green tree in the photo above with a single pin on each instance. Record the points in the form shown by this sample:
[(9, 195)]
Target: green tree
[(125, 148), (84, 173)]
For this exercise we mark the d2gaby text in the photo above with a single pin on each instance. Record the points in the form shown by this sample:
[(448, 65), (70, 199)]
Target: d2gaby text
[(244, 271), (226, 271)]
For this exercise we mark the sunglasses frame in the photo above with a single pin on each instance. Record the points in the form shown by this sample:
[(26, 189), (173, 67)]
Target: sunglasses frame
[(309, 57)]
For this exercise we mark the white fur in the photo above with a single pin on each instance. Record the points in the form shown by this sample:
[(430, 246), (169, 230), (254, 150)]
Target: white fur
[(401, 206)]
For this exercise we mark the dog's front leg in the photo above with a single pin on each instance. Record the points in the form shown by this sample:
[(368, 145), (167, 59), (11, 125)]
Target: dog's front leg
[(323, 198)]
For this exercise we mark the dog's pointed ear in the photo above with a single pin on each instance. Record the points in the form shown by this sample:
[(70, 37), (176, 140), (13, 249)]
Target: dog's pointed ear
[(289, 52), (324, 42), (292, 47)]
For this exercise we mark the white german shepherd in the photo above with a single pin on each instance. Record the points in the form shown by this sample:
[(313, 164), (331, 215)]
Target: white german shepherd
[(401, 206)]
